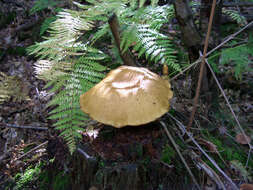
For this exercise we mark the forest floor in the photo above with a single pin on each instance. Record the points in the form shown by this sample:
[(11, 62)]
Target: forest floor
[(28, 140)]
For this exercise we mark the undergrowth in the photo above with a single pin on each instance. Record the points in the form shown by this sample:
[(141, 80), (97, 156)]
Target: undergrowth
[(72, 61), (77, 52)]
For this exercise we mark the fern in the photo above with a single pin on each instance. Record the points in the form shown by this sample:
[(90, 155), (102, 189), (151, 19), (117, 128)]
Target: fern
[(71, 65), (153, 16), (155, 46), (71, 68), (70, 118), (45, 25), (142, 30), (69, 81), (235, 16), (42, 4), (238, 57)]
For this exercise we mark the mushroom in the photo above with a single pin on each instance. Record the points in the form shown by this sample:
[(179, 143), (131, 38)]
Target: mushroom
[(127, 96)]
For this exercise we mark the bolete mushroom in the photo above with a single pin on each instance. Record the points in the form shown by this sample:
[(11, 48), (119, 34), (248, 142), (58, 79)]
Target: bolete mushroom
[(127, 96)]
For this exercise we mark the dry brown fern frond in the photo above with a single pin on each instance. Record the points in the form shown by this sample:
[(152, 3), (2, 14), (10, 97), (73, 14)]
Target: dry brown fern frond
[(12, 87)]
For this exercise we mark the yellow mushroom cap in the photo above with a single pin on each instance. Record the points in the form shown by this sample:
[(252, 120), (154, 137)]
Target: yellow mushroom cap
[(127, 96)]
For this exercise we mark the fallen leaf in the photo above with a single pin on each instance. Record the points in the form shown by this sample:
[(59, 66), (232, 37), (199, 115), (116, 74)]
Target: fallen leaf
[(240, 138), (211, 147), (246, 186)]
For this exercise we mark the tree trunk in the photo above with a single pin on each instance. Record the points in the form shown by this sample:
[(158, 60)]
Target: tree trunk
[(190, 35)]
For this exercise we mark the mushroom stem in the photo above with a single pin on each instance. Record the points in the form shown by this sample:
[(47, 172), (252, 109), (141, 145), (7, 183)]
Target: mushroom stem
[(114, 26)]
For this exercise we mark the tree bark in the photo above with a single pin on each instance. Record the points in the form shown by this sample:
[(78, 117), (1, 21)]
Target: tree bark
[(126, 56), (190, 35)]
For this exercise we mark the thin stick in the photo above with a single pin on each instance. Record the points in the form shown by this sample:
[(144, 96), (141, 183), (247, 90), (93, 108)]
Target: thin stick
[(209, 171), (214, 49), (179, 153), (205, 154), (35, 148), (23, 127), (196, 98), (114, 26), (229, 38), (187, 68)]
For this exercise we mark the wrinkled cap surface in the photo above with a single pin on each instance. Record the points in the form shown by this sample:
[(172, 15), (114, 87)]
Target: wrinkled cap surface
[(127, 96)]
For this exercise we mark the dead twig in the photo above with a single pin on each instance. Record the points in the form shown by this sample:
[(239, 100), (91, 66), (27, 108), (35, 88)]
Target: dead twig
[(214, 49), (179, 153), (202, 66), (180, 125), (35, 148), (209, 171), (229, 38)]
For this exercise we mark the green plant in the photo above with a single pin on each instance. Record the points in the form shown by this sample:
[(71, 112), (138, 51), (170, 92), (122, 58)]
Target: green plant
[(237, 57), (40, 5), (168, 154), (71, 60), (235, 16), (25, 180), (43, 4), (142, 32)]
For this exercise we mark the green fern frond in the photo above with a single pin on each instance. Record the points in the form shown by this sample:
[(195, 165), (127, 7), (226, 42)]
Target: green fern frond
[(235, 16), (69, 25), (238, 57), (70, 118), (155, 46), (45, 25), (100, 10), (71, 68), (153, 16), (50, 70), (42, 4), (102, 31)]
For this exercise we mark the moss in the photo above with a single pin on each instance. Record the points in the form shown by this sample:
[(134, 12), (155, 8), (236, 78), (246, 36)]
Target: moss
[(61, 181), (168, 154), (25, 180)]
